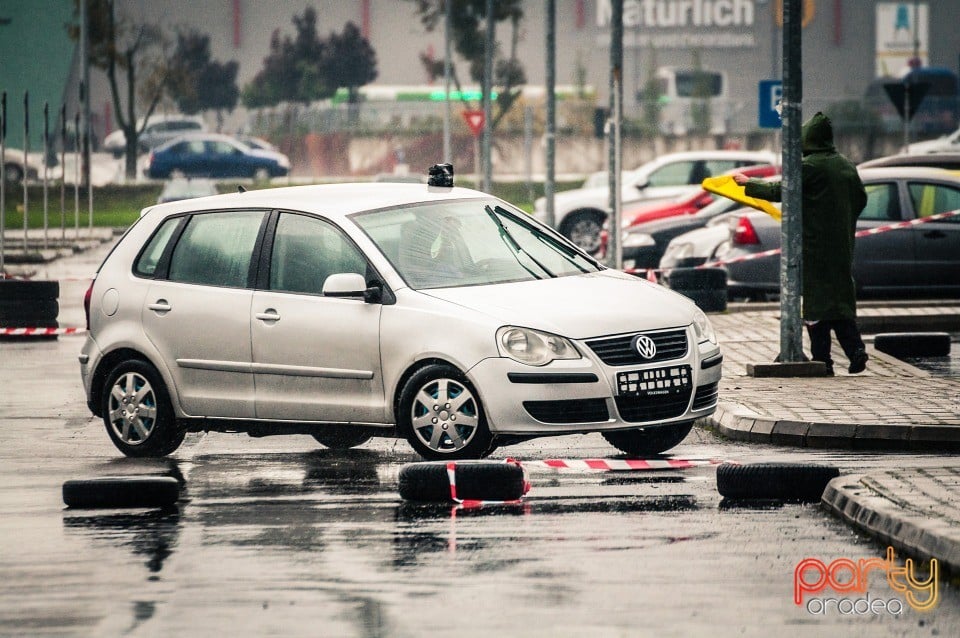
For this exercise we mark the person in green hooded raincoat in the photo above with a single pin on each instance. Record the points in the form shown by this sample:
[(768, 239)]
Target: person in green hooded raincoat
[(833, 197)]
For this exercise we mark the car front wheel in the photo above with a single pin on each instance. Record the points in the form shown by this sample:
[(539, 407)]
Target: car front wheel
[(650, 441), (442, 417), (137, 411)]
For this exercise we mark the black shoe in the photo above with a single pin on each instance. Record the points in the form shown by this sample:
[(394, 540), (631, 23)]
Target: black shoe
[(858, 363)]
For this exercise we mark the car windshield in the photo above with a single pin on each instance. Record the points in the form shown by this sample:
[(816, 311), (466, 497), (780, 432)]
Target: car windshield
[(468, 243)]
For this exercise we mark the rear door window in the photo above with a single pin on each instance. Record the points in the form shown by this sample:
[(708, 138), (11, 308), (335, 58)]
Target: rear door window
[(882, 203), (216, 249)]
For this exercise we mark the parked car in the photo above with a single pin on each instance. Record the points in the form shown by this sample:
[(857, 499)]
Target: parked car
[(950, 161), (944, 144), (347, 311), (922, 259), (580, 213), (212, 155), (177, 189), (159, 129), (701, 245), (14, 170)]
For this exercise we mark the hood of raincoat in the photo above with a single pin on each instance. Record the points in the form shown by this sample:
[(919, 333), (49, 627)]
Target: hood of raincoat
[(816, 136)]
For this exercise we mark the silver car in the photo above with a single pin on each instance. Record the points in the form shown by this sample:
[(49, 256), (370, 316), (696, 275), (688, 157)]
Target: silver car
[(438, 314)]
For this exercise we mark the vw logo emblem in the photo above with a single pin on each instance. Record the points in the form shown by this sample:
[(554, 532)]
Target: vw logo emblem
[(645, 346)]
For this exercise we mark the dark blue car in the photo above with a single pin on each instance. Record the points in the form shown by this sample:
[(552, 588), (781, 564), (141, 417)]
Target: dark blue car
[(211, 155)]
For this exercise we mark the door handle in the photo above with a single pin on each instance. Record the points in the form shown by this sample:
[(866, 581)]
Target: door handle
[(160, 305), (268, 315), (934, 234)]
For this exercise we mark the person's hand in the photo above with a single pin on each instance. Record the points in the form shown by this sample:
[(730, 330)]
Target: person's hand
[(740, 178)]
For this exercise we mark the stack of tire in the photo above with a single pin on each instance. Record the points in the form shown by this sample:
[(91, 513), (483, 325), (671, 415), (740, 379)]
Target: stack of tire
[(29, 304), (707, 287)]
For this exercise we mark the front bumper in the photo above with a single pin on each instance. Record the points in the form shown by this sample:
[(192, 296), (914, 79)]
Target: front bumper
[(586, 395)]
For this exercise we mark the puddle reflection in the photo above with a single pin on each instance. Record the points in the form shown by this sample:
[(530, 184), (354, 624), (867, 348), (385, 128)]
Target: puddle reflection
[(150, 534)]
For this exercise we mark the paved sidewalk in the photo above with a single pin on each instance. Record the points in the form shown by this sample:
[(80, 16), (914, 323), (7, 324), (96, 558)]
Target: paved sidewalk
[(892, 405)]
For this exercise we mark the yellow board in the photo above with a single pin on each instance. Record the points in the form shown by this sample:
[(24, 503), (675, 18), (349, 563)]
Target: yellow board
[(725, 186)]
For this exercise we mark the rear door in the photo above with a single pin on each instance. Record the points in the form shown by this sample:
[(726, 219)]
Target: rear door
[(937, 266), (315, 358), (197, 312)]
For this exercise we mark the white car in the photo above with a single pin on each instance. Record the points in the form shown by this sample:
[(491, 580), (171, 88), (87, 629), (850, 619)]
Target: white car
[(438, 314), (580, 212), (14, 170), (159, 129), (945, 144)]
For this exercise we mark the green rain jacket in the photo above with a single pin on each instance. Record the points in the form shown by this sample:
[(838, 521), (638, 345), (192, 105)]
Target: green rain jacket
[(833, 197)]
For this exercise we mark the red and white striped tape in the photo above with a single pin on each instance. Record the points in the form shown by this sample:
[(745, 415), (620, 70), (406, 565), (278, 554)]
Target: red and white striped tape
[(40, 332), (860, 233), (470, 503), (617, 465)]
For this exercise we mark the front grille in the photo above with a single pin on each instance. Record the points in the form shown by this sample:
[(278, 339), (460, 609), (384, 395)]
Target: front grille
[(706, 396), (568, 411), (636, 409), (618, 351)]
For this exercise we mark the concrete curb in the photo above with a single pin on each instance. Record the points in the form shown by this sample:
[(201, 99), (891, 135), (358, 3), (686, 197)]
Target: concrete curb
[(739, 423), (856, 500)]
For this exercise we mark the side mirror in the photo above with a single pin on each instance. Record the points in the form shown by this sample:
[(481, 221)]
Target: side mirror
[(345, 284), (642, 184)]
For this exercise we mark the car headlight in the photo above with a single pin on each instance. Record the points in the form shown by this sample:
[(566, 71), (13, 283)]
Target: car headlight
[(637, 240), (703, 328), (533, 347), (679, 251)]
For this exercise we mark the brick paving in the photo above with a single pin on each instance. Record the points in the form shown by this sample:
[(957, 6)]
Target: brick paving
[(891, 405)]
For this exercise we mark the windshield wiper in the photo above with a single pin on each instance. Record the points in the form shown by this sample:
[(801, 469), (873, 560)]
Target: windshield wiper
[(544, 238), (511, 241)]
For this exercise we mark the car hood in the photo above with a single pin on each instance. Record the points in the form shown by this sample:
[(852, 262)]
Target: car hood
[(577, 307)]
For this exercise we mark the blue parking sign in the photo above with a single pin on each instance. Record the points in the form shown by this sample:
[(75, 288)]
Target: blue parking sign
[(770, 92)]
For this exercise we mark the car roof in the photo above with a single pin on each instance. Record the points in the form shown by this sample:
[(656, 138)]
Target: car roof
[(896, 172), (330, 200), (941, 160)]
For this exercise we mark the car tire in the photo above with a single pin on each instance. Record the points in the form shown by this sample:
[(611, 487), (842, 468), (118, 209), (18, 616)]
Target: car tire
[(649, 441), (913, 344), (261, 175), (340, 437), (28, 290), (28, 313), (121, 491), (137, 411), (583, 229), (476, 480), (457, 410), (12, 173), (803, 482)]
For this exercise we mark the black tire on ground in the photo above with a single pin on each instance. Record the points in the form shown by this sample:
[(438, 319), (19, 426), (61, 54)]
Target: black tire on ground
[(137, 411), (707, 287), (23, 312), (476, 480), (121, 491), (913, 344), (784, 481), (650, 441), (28, 290), (458, 413), (33, 324), (340, 437)]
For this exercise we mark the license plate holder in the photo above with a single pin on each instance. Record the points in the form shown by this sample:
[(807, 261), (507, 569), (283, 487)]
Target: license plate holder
[(668, 381)]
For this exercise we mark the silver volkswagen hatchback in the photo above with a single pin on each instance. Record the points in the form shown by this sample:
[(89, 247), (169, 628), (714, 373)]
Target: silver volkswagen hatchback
[(425, 311)]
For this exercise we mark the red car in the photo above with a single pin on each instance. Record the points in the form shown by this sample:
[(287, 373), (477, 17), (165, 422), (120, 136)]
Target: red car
[(687, 205)]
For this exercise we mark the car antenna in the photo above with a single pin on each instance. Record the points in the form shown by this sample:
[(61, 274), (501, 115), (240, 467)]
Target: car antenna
[(241, 189)]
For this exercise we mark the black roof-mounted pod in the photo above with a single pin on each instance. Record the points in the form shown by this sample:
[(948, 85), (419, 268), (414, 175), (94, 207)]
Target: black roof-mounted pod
[(441, 175)]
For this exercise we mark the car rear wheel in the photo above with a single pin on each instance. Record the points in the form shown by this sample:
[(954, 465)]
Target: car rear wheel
[(261, 175), (137, 411), (583, 229), (12, 174), (441, 415), (650, 441), (340, 437)]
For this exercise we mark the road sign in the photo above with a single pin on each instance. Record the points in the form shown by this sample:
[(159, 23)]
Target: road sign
[(769, 94), (897, 92), (474, 121)]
